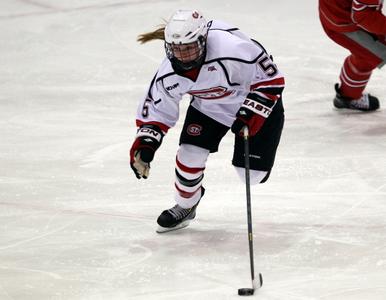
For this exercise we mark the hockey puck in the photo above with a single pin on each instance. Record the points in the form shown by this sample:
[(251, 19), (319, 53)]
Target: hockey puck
[(246, 292)]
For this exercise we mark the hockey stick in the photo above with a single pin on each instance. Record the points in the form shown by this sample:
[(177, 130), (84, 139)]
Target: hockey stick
[(249, 291)]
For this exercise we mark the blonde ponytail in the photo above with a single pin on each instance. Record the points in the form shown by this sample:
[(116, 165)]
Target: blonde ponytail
[(157, 34)]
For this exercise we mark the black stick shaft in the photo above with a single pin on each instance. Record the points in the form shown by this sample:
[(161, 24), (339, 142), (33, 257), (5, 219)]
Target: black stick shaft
[(249, 209)]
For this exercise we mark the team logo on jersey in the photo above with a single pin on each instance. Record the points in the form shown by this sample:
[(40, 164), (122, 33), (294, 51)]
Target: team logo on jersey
[(212, 93), (195, 15), (194, 129), (212, 68)]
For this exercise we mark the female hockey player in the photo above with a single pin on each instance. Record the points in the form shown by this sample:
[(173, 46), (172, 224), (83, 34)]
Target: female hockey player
[(360, 27), (232, 82)]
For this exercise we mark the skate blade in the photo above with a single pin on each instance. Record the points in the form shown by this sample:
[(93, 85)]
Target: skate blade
[(161, 229)]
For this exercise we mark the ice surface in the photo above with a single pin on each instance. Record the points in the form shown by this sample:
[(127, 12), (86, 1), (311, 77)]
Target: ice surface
[(76, 224)]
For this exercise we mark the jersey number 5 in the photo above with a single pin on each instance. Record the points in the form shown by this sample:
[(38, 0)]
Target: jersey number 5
[(145, 108), (267, 65)]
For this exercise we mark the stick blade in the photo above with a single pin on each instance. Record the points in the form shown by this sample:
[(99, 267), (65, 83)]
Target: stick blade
[(246, 292), (251, 291)]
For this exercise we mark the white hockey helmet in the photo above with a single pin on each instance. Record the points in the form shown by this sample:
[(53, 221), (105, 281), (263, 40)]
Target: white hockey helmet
[(185, 39)]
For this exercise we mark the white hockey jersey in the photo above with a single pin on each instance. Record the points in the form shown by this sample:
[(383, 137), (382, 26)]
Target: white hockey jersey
[(234, 66)]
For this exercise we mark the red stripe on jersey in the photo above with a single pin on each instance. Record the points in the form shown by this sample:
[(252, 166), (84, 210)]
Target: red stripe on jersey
[(277, 82), (188, 169), (162, 126), (185, 194), (212, 93)]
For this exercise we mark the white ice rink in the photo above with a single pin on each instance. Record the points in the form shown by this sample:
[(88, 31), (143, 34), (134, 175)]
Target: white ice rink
[(76, 224)]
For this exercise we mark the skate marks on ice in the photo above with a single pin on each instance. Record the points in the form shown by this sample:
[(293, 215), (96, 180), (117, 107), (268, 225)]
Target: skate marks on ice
[(98, 158), (68, 253), (327, 259)]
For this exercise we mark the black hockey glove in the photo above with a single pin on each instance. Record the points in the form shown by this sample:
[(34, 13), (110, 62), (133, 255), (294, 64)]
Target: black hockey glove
[(252, 113), (147, 141)]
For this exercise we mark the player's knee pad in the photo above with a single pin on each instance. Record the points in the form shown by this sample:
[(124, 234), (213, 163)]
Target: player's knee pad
[(256, 176)]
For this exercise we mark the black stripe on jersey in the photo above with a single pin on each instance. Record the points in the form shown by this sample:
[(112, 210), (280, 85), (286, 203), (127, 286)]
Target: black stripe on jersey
[(270, 90), (227, 75), (228, 30), (266, 102), (209, 25), (149, 95), (166, 75), (188, 182), (236, 59), (260, 45), (218, 60)]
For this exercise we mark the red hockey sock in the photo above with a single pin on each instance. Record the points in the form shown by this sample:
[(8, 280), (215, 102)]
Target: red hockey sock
[(353, 78)]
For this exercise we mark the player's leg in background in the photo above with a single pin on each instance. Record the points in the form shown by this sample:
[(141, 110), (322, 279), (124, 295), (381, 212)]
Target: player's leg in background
[(354, 76), (356, 70)]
